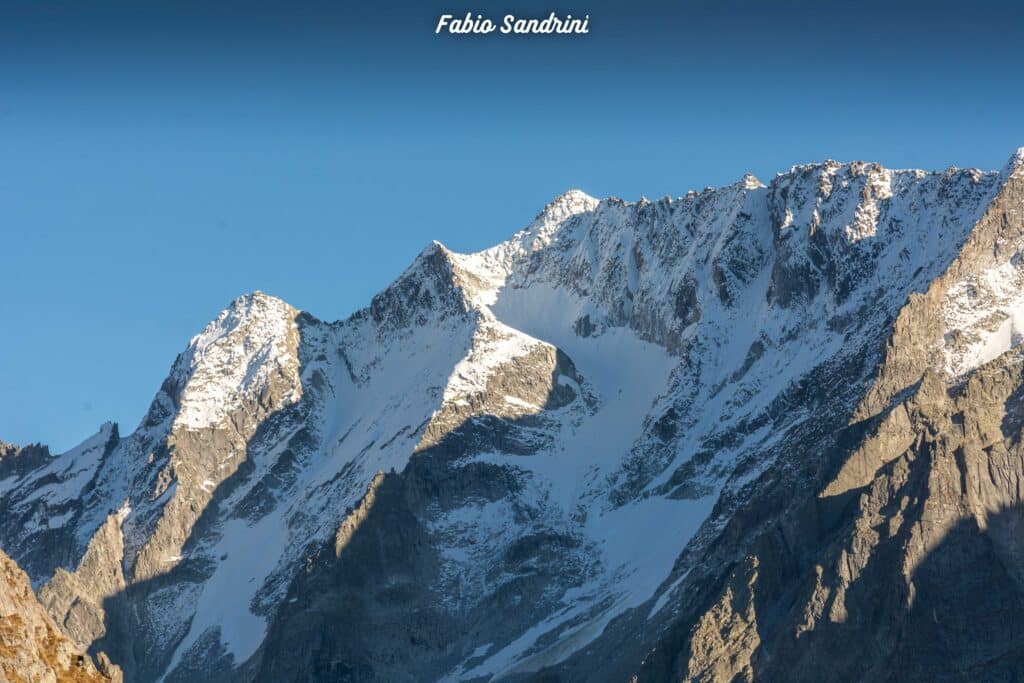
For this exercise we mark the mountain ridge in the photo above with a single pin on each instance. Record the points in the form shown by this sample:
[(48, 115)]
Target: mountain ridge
[(528, 418)]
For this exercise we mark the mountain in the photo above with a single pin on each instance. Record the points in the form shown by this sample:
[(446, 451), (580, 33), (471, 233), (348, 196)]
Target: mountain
[(760, 431)]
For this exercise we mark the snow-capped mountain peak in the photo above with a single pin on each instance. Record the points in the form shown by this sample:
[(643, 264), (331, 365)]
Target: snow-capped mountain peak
[(543, 228), (233, 358)]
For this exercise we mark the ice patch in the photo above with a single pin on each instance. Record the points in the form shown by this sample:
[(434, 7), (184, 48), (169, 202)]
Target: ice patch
[(520, 403)]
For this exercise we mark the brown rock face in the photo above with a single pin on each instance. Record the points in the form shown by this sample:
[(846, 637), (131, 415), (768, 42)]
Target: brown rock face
[(32, 648)]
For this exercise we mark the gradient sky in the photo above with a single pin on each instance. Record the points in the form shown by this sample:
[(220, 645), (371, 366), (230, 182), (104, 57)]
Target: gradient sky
[(159, 158)]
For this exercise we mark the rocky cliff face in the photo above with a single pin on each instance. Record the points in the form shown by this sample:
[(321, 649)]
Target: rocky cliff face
[(763, 431), (32, 648)]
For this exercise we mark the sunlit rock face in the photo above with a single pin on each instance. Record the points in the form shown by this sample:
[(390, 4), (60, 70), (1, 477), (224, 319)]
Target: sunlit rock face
[(755, 431), (32, 647)]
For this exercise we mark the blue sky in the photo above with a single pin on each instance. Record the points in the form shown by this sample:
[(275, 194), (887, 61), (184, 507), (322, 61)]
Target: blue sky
[(161, 158)]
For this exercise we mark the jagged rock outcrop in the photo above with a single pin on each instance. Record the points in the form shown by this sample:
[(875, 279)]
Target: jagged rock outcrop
[(78, 597), (724, 436), (32, 648), (16, 461)]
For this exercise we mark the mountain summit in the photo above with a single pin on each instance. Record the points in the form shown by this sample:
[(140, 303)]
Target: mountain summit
[(760, 431)]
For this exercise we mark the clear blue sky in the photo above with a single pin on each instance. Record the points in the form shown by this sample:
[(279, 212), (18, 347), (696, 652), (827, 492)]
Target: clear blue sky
[(158, 159)]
